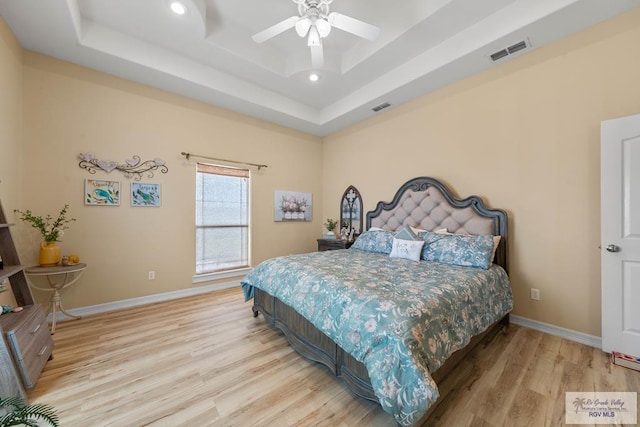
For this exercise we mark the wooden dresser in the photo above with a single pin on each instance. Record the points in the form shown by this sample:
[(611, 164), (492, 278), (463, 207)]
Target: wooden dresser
[(25, 347)]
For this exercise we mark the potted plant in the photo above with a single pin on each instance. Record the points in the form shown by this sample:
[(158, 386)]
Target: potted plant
[(51, 231), (331, 226), (15, 412)]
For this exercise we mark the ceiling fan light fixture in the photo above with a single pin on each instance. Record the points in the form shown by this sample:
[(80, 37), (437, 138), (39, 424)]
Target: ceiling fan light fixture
[(178, 8), (314, 37), (314, 77), (323, 26), (302, 26), (315, 23)]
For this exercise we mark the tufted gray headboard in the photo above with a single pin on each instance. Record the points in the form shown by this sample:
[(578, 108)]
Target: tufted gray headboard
[(428, 204)]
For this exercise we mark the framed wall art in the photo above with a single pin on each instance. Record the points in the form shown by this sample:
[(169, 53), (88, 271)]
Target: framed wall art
[(292, 206), (100, 192), (145, 194)]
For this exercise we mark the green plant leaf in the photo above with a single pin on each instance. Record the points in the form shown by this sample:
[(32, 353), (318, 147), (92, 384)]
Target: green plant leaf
[(28, 415)]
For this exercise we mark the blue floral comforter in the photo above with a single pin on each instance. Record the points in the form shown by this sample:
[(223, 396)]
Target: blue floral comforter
[(402, 319)]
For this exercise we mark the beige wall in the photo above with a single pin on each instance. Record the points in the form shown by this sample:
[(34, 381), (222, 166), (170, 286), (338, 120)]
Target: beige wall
[(10, 126), (70, 109), (524, 136)]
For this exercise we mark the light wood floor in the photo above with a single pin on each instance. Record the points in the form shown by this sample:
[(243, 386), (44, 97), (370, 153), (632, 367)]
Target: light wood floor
[(205, 361)]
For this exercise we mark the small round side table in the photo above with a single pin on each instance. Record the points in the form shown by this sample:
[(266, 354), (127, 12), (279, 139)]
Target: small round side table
[(58, 278)]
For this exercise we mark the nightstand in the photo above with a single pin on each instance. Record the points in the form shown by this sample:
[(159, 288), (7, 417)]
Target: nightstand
[(332, 244)]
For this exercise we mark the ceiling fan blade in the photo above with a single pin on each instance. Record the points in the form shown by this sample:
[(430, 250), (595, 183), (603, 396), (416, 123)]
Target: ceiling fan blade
[(353, 26), (317, 56), (276, 29)]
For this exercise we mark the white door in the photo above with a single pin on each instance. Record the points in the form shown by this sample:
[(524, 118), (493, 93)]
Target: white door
[(620, 199)]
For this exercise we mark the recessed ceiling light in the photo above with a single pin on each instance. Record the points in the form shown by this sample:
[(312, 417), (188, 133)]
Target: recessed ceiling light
[(314, 77), (178, 8)]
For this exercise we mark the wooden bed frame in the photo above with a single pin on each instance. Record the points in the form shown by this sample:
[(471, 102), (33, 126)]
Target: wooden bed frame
[(443, 210)]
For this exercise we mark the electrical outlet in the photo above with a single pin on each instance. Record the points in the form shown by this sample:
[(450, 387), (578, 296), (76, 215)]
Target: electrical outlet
[(152, 275), (535, 294)]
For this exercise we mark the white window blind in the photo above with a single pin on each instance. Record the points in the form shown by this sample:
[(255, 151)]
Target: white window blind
[(222, 218)]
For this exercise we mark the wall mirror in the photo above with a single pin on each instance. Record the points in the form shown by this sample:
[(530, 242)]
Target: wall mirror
[(351, 211)]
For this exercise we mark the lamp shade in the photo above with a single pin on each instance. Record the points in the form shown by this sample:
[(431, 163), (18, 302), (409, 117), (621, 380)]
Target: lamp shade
[(323, 26), (302, 26)]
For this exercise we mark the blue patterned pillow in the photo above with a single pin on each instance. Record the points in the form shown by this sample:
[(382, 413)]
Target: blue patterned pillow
[(406, 233), (375, 241), (458, 249)]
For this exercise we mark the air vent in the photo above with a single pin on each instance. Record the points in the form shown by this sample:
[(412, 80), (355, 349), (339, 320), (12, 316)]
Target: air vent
[(498, 55), (381, 106), (509, 50), (516, 47)]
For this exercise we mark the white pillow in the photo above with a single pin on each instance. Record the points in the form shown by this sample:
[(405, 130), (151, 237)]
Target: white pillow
[(417, 230), (420, 230), (407, 249), (496, 242)]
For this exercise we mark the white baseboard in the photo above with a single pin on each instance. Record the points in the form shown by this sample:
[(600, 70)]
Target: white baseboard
[(557, 331), (569, 334), (134, 302)]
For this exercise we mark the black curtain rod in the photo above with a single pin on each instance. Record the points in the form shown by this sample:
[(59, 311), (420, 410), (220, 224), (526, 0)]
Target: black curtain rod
[(255, 165)]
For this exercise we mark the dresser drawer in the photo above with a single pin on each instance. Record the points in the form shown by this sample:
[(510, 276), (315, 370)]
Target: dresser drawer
[(30, 341)]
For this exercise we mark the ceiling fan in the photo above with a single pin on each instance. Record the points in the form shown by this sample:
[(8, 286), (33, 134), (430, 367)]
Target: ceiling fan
[(315, 21)]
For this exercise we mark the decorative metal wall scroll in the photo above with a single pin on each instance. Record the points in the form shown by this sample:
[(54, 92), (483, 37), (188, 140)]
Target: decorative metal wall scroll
[(131, 168)]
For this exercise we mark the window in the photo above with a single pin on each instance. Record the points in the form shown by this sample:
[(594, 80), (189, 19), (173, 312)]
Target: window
[(222, 218)]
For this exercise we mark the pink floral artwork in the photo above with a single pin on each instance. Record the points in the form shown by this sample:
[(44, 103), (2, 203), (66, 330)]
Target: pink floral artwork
[(292, 206)]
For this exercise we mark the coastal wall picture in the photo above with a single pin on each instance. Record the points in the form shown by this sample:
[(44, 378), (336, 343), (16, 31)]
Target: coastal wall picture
[(100, 192), (292, 206), (145, 194)]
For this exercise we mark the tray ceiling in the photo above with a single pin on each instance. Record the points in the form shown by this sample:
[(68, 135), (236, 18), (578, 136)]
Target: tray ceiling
[(208, 54)]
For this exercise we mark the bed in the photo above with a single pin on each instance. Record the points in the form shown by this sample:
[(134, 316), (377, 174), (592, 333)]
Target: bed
[(390, 319)]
